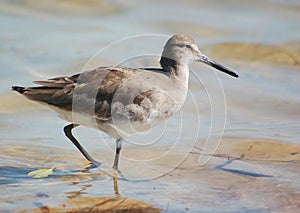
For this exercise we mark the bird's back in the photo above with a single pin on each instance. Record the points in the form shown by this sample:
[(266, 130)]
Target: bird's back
[(94, 92), (97, 85)]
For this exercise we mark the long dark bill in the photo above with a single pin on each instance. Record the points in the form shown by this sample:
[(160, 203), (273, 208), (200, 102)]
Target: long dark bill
[(217, 66)]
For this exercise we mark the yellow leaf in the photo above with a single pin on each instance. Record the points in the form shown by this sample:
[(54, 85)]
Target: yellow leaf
[(40, 173)]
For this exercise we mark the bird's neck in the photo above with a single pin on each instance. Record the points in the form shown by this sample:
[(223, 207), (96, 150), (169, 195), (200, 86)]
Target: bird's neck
[(168, 65), (177, 70)]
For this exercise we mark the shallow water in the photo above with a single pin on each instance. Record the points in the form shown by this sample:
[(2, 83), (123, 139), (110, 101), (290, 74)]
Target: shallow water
[(248, 128)]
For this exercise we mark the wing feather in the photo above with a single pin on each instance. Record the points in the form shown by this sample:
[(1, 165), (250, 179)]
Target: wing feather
[(97, 86)]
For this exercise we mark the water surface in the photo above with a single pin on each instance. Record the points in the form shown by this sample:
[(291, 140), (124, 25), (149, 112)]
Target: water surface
[(255, 168)]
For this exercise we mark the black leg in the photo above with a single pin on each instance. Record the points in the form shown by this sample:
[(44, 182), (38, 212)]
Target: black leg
[(68, 133), (117, 154)]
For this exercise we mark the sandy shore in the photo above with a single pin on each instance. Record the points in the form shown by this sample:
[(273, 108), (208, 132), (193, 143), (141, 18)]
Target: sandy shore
[(243, 175)]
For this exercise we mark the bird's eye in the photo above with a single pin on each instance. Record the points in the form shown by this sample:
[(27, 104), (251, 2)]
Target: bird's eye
[(188, 46)]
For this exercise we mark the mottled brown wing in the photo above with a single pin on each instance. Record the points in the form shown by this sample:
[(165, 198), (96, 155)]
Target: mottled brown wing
[(56, 92), (97, 87), (97, 90)]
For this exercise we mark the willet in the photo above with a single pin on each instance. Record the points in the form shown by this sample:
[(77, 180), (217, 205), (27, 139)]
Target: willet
[(125, 99)]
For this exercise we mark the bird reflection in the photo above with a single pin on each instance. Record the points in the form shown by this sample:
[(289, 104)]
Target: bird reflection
[(76, 202)]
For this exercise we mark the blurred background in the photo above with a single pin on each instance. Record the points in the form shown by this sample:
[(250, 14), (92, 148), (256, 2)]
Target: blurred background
[(260, 39)]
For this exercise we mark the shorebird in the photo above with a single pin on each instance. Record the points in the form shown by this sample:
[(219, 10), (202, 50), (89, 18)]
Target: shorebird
[(121, 100)]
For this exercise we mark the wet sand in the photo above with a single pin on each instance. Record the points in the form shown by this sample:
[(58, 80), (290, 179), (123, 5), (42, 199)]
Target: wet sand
[(243, 175), (257, 53), (99, 204)]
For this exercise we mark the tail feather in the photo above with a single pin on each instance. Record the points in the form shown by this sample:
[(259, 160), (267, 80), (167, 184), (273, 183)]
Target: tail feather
[(20, 90), (56, 91), (56, 96)]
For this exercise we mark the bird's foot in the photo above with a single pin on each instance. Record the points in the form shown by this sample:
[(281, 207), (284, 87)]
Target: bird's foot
[(117, 173), (94, 164)]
